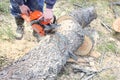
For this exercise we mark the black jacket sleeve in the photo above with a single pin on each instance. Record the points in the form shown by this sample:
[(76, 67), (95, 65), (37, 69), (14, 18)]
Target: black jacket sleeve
[(50, 3)]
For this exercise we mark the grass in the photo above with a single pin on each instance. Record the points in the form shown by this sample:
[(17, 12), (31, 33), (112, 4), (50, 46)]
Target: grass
[(6, 32), (4, 6), (108, 77), (108, 46), (3, 61)]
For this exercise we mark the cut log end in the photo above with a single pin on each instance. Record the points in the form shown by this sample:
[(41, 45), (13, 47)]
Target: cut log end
[(65, 17), (116, 28), (116, 25), (86, 47)]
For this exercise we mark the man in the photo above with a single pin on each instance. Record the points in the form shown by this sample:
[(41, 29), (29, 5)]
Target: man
[(24, 7)]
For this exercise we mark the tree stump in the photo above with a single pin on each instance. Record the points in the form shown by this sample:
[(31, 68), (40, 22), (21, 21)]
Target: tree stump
[(45, 61), (116, 25), (116, 28)]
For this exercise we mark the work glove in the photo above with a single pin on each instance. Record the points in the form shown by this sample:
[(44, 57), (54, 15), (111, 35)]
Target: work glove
[(48, 14), (24, 9)]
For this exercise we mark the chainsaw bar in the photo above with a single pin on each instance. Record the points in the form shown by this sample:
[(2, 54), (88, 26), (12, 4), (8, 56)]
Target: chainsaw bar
[(51, 28)]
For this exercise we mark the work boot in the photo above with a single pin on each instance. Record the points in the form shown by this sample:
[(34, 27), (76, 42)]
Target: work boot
[(37, 36), (20, 28)]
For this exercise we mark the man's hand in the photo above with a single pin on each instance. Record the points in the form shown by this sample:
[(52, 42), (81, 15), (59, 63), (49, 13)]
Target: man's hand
[(48, 14), (24, 9)]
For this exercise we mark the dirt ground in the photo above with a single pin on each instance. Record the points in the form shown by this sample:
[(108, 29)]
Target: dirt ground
[(108, 58)]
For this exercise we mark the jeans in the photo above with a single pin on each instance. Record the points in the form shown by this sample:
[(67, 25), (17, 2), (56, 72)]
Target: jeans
[(32, 4)]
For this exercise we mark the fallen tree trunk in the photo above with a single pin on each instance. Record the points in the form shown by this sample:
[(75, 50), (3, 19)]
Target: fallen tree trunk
[(46, 60)]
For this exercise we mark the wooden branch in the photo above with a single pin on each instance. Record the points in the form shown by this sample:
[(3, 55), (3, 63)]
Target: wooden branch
[(88, 74), (78, 5), (115, 30), (108, 28), (45, 61)]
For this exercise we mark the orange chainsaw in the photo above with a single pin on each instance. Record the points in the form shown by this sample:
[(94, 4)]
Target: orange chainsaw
[(39, 25)]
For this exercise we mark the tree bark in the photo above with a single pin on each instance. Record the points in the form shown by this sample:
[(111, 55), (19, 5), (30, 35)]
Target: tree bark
[(45, 61)]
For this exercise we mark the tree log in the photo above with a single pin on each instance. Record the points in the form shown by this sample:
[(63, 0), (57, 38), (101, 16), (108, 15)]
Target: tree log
[(45, 61), (116, 25)]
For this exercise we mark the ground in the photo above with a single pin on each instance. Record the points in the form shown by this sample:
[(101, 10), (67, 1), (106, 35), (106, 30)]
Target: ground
[(106, 45)]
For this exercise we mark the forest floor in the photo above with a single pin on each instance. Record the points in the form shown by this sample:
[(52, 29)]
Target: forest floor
[(106, 52)]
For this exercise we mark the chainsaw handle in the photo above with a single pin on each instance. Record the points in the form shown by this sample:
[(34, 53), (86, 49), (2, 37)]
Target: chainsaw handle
[(48, 21), (25, 17), (43, 22), (40, 21), (32, 15)]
